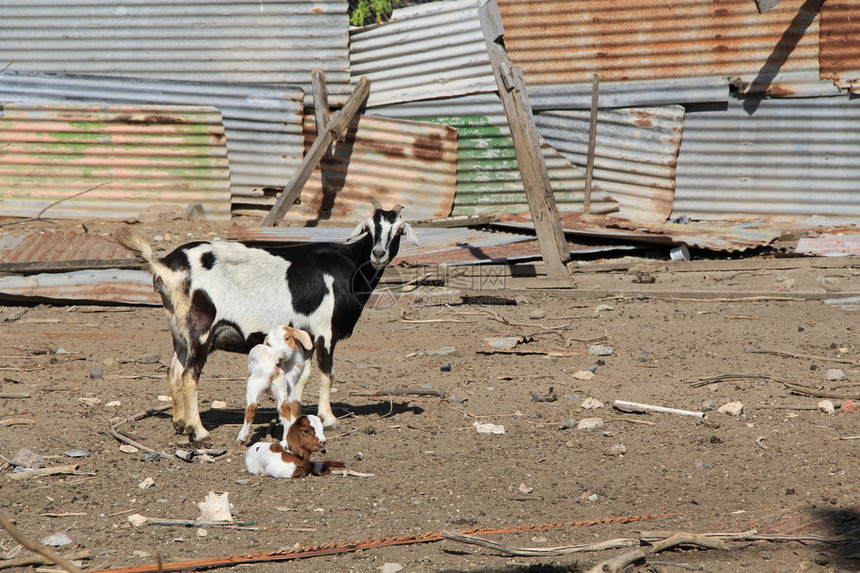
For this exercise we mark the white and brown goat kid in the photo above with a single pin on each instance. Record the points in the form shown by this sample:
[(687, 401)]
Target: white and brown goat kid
[(291, 458), (275, 367)]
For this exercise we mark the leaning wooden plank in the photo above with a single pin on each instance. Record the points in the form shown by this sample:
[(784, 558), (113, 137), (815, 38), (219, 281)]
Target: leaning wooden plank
[(336, 129)]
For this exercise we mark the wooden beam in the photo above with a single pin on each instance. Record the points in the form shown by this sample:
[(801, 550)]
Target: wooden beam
[(592, 140), (334, 129), (527, 143)]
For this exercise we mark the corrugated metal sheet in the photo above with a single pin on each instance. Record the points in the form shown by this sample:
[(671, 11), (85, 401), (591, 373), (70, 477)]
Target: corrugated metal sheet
[(560, 43), (488, 177), (132, 287), (775, 158), (634, 157), (58, 246), (440, 52), (263, 124), (840, 43), (829, 245), (110, 162), (694, 235), (244, 41), (393, 161)]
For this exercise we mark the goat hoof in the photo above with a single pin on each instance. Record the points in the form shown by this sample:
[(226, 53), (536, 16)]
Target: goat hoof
[(331, 424), (179, 426)]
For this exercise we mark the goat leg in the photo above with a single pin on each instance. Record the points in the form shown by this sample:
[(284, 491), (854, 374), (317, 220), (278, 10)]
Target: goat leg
[(193, 426), (175, 375)]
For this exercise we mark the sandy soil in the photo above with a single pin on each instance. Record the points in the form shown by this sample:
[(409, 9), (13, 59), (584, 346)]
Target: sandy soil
[(778, 467)]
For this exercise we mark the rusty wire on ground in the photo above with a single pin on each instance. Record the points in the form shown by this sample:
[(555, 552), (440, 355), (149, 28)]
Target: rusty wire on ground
[(318, 550)]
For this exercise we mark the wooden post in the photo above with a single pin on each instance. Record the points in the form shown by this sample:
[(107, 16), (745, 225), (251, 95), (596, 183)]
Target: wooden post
[(592, 139), (336, 128), (512, 90)]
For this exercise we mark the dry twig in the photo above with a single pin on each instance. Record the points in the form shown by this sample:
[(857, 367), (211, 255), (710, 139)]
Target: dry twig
[(46, 552), (139, 416), (539, 551)]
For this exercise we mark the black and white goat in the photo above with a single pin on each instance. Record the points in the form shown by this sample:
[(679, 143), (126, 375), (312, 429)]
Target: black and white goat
[(227, 296)]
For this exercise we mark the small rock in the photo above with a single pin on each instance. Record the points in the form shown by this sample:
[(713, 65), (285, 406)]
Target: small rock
[(591, 404), (163, 398), (391, 567), (618, 450), (445, 350), (732, 408), (219, 404), (848, 406), (57, 540), (108, 361), (709, 406), (603, 308), (593, 498), (567, 424), (113, 404), (128, 449), (446, 368), (835, 374), (97, 373), (826, 406), (525, 489), (590, 424), (147, 483), (148, 358), (489, 428), (243, 481), (136, 519), (584, 375), (89, 401), (537, 314), (141, 554), (202, 532), (600, 350)]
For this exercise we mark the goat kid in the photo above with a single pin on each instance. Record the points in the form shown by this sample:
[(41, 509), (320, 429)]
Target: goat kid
[(224, 295), (291, 458), (275, 367)]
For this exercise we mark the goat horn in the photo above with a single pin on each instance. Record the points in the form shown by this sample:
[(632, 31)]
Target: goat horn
[(397, 208), (376, 204)]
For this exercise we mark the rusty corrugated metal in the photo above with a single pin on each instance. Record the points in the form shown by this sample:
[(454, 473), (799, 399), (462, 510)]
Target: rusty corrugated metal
[(840, 43), (111, 162), (694, 235), (58, 246), (635, 153), (263, 124), (125, 286), (830, 245), (440, 52), (488, 177), (393, 161), (558, 42), (243, 41)]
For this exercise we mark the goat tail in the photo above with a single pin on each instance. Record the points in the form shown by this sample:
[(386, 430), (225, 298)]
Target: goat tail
[(137, 244)]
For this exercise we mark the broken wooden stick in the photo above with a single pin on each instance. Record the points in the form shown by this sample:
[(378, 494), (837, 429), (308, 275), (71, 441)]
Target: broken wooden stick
[(71, 469), (36, 560), (620, 563), (139, 416), (637, 407), (539, 551)]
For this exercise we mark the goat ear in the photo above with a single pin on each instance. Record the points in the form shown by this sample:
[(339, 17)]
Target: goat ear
[(356, 233), (410, 234), (304, 338)]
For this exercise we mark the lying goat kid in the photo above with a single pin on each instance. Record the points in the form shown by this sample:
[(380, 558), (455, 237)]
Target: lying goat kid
[(291, 458), (275, 367), (225, 295)]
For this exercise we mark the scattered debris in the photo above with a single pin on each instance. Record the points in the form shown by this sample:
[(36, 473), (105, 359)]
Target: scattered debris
[(848, 406), (835, 374), (203, 453), (732, 409), (584, 375), (636, 407), (147, 483), (590, 424), (71, 469), (504, 342), (591, 404), (488, 428), (600, 350), (526, 489), (826, 406), (57, 540), (550, 396), (215, 507), (76, 454)]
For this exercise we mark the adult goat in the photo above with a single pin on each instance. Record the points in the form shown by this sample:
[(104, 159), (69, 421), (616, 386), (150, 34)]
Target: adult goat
[(224, 295)]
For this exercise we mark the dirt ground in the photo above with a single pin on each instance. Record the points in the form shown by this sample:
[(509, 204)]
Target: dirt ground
[(780, 467)]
